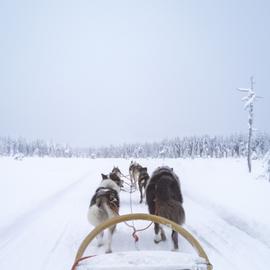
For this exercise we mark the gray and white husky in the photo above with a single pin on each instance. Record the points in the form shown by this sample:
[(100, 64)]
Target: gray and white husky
[(138, 177), (103, 206), (134, 173)]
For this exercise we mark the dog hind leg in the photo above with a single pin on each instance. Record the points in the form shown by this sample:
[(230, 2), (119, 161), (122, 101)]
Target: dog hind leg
[(100, 239), (141, 192), (159, 234), (109, 244), (175, 240)]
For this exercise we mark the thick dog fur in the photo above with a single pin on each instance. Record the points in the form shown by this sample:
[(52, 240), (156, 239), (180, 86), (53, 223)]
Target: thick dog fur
[(117, 171), (138, 176), (164, 198), (134, 172), (103, 206), (114, 177), (142, 182)]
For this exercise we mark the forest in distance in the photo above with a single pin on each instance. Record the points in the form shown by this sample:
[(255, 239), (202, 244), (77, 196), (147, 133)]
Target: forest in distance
[(186, 147)]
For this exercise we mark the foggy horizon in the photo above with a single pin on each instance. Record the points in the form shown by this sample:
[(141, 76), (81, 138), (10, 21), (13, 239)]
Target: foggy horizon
[(99, 73), (158, 141)]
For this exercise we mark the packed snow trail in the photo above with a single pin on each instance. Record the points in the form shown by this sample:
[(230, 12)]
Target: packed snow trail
[(34, 239), (48, 235), (223, 242)]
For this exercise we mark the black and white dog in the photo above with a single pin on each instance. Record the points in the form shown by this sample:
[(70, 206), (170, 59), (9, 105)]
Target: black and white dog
[(138, 176), (164, 198), (117, 171), (103, 206), (115, 176)]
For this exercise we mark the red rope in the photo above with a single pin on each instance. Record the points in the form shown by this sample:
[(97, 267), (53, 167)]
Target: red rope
[(134, 234)]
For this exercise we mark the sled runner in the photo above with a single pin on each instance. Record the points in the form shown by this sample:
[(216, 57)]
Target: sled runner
[(142, 259)]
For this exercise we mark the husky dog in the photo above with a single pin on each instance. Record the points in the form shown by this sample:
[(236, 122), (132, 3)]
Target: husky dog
[(117, 171), (138, 176), (164, 198), (115, 176), (134, 172), (142, 181), (103, 206)]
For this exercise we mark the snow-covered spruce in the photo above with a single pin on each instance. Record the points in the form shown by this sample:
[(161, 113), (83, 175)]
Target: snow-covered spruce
[(187, 147)]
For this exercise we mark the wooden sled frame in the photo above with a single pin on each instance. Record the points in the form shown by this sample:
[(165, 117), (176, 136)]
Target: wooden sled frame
[(142, 216)]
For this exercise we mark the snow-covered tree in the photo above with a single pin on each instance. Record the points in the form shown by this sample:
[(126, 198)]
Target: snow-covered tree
[(163, 151), (249, 100), (266, 163), (187, 147)]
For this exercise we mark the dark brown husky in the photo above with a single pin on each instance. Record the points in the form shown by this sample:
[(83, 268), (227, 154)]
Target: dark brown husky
[(164, 198)]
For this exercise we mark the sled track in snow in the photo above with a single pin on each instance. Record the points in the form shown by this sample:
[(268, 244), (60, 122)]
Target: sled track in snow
[(233, 220), (10, 232), (244, 227), (203, 239), (226, 241)]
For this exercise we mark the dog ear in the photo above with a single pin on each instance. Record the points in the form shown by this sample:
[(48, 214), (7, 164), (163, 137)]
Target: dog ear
[(172, 169), (104, 176)]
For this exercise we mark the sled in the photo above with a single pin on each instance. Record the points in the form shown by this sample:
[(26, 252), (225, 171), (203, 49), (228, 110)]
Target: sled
[(142, 259)]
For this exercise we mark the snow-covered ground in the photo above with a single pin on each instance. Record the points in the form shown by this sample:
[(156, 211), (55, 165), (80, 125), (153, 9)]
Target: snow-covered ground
[(44, 203)]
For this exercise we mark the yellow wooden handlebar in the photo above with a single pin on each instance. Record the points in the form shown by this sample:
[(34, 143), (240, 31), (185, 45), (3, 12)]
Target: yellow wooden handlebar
[(142, 216)]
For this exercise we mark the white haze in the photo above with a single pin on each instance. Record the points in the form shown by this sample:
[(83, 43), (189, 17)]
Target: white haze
[(92, 73)]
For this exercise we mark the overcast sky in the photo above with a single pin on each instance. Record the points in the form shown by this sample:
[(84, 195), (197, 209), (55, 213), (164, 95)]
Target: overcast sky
[(94, 73)]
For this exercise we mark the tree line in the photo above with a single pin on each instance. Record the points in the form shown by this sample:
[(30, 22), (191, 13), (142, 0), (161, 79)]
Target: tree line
[(186, 147)]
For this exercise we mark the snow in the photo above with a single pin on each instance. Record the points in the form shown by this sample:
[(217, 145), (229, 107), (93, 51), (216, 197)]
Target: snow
[(43, 176), (244, 89), (144, 259), (44, 203), (250, 100)]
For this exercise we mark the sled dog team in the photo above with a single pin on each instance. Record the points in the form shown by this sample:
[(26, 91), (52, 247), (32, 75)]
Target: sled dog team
[(163, 197)]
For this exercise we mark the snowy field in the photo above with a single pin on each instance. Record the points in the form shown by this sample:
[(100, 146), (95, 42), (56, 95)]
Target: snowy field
[(44, 202)]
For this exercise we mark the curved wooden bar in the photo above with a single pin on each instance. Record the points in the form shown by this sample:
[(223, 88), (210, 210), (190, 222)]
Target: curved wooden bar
[(142, 216)]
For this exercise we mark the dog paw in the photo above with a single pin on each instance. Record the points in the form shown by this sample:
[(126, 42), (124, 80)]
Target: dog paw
[(108, 251), (157, 238)]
